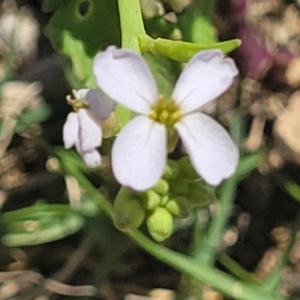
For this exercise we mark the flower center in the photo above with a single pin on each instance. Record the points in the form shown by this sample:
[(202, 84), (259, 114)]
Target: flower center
[(165, 112), (75, 102)]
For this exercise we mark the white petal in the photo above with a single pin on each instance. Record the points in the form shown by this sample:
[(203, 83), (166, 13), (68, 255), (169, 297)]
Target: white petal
[(212, 152), (100, 104), (139, 153), (81, 94), (70, 130), (92, 158), (204, 78), (125, 77), (90, 133)]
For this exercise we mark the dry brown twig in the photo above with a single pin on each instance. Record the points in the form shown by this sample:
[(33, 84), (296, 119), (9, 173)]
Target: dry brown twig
[(16, 281)]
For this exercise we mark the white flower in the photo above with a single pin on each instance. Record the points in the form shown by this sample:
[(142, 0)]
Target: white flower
[(139, 153), (82, 129)]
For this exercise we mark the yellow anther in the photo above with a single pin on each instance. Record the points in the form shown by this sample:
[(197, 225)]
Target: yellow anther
[(76, 103), (176, 116), (153, 115)]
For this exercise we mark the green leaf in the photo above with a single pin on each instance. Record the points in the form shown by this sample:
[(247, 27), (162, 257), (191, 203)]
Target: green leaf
[(39, 224), (81, 35), (183, 51)]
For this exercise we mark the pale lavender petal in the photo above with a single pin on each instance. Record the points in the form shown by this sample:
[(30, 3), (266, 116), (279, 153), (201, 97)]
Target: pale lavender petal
[(126, 78), (101, 105), (90, 133), (204, 78), (139, 153), (211, 150), (92, 159), (70, 130)]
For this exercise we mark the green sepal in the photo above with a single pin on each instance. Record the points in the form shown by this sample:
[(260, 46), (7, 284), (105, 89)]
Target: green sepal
[(185, 169), (196, 192), (199, 193), (128, 211), (188, 185)]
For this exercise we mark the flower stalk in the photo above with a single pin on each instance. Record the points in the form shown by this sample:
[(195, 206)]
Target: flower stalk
[(131, 22)]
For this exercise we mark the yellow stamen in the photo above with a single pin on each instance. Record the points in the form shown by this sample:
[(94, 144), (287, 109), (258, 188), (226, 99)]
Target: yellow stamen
[(166, 112), (76, 103), (176, 116)]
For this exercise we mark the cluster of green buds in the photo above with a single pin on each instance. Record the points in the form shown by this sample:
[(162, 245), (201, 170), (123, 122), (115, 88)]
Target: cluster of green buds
[(173, 196)]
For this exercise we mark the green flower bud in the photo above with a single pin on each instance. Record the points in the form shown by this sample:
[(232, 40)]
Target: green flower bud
[(128, 212), (162, 187), (179, 207), (151, 200), (160, 224)]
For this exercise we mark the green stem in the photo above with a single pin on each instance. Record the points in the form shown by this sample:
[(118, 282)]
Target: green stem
[(132, 25), (204, 273), (206, 252), (72, 170), (236, 270)]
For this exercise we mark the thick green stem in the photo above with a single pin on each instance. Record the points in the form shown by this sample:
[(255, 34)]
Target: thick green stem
[(131, 23)]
